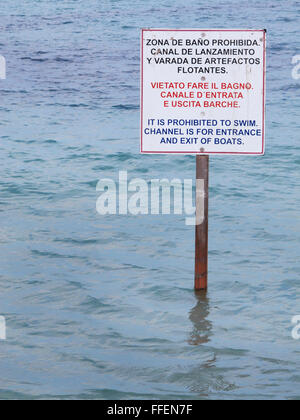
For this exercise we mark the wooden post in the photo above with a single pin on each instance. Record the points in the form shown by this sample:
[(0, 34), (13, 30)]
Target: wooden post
[(201, 248)]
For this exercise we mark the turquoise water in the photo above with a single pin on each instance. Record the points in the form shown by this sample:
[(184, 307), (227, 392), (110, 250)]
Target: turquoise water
[(103, 307)]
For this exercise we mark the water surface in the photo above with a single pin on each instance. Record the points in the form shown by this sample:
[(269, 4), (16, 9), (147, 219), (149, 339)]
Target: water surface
[(103, 307)]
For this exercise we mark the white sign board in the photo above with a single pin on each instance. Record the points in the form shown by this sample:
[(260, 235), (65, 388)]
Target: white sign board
[(203, 91)]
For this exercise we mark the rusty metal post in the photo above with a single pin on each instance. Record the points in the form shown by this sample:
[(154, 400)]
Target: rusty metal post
[(201, 248)]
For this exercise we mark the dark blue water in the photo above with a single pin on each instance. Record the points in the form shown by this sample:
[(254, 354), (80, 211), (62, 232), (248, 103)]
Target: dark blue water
[(103, 307)]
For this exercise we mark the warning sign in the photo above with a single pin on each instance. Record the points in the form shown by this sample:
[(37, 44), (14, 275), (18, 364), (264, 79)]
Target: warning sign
[(203, 91)]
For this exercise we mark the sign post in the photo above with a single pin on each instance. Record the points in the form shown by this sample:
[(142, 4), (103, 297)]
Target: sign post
[(203, 93), (201, 234)]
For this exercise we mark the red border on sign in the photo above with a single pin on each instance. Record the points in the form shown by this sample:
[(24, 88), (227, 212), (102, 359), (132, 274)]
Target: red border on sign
[(264, 91)]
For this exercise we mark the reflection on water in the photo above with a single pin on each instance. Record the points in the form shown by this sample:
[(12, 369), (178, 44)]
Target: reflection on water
[(201, 325), (205, 376)]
